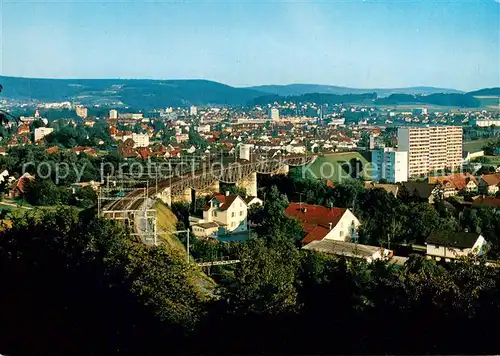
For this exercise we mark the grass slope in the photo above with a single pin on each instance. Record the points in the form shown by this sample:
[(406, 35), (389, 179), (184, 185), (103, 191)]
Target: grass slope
[(166, 222), (329, 166), (476, 145)]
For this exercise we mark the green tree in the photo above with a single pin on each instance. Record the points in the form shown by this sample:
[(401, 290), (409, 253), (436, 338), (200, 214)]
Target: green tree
[(263, 282), (42, 192)]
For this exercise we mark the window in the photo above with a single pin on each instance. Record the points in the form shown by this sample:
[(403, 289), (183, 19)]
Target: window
[(241, 213), (341, 233), (215, 213), (232, 214)]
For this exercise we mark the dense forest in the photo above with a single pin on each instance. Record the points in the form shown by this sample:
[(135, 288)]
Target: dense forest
[(451, 99), (448, 99)]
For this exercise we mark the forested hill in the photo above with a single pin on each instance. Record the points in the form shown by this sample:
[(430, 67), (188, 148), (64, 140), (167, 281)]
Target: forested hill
[(486, 92), (147, 93), (460, 100), (300, 89), (141, 93), (450, 99)]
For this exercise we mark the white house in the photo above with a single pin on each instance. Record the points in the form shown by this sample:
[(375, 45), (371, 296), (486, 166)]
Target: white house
[(450, 245), (251, 200), (225, 213), (320, 222), (489, 183)]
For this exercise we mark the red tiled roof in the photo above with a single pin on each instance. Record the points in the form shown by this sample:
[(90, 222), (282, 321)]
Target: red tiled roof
[(459, 180), (314, 232), (315, 219), (225, 201), (315, 214), (52, 149), (487, 201), (21, 183), (491, 179)]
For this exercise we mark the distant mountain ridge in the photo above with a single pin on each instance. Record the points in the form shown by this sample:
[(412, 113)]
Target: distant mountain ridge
[(486, 92), (150, 93), (300, 89), (143, 93)]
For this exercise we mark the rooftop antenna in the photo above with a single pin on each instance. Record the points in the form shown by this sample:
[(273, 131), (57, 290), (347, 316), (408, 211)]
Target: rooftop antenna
[(300, 200)]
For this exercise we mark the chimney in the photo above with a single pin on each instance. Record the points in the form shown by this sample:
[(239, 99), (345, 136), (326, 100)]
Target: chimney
[(330, 225), (227, 193)]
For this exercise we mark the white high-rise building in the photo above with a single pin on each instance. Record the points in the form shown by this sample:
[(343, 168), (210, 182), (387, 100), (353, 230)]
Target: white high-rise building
[(113, 114), (193, 110), (431, 148), (390, 164), (274, 114)]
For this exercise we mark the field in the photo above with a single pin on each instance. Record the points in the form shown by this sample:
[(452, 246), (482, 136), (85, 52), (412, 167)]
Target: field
[(476, 145), (330, 166), (489, 102), (494, 160)]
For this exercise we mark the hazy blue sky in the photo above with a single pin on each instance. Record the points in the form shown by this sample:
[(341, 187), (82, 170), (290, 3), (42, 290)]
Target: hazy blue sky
[(363, 44)]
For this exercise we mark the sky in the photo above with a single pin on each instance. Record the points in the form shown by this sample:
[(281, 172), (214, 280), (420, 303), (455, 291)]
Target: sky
[(361, 44)]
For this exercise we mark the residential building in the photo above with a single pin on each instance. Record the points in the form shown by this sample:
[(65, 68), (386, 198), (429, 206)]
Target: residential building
[(389, 188), (225, 213), (113, 114), (489, 183), (20, 186), (451, 245), (41, 132), (486, 201), (320, 222), (251, 200), (431, 148), (132, 116), (245, 151), (81, 111), (390, 164), (140, 140), (425, 192), (372, 142), (454, 183), (274, 114), (193, 110), (349, 249), (487, 122)]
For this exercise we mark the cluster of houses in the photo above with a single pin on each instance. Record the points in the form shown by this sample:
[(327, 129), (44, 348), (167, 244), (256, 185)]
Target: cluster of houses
[(451, 185), (331, 230)]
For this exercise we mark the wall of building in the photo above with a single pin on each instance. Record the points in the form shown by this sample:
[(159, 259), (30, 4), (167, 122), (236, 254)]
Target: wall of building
[(450, 252), (342, 231), (431, 148), (390, 164)]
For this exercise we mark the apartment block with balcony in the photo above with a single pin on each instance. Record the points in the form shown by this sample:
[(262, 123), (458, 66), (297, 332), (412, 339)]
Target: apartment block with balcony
[(431, 148)]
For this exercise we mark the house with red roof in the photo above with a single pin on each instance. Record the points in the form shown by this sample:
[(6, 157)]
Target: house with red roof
[(454, 183), (489, 183), (20, 186), (320, 222)]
